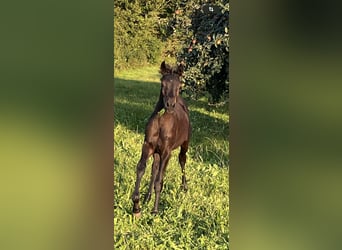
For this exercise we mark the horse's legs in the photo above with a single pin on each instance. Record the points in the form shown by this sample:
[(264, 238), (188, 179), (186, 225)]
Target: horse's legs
[(147, 150), (154, 172), (165, 157), (182, 161)]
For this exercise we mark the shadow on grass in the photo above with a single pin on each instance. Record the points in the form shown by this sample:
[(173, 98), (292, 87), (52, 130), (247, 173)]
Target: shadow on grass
[(134, 102)]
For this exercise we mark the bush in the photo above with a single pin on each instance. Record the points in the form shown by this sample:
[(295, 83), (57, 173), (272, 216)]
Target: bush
[(136, 33)]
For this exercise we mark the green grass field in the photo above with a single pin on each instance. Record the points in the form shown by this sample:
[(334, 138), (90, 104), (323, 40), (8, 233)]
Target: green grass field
[(198, 219)]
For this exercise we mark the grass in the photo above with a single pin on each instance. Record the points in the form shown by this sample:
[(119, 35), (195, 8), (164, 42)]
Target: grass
[(198, 219)]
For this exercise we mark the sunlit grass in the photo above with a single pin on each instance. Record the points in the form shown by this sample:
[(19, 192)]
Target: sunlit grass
[(197, 219)]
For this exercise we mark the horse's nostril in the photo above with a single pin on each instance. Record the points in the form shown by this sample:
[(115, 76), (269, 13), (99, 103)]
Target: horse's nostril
[(173, 105), (167, 104)]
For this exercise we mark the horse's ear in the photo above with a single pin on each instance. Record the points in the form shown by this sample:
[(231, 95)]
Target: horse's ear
[(180, 69), (164, 69)]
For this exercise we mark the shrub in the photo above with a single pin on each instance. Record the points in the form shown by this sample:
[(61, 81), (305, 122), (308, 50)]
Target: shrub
[(136, 33)]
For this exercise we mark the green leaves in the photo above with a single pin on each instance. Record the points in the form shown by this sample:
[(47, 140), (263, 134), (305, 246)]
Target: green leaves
[(206, 51), (147, 31), (136, 33)]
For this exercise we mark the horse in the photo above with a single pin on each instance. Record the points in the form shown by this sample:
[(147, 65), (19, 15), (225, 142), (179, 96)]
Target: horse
[(163, 134)]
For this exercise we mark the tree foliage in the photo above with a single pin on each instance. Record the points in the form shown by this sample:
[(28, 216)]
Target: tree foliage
[(150, 31), (137, 38), (205, 51)]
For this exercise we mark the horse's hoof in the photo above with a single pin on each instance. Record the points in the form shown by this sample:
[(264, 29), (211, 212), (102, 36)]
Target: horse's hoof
[(137, 215), (154, 212), (184, 187)]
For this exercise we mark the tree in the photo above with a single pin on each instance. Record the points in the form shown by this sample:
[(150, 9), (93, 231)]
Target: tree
[(205, 52)]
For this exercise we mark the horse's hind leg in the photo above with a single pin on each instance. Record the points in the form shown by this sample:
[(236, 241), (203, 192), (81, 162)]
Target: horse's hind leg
[(154, 172), (147, 150), (182, 161)]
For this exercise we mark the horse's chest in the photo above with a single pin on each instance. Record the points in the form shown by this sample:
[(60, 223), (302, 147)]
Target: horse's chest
[(168, 132), (172, 131)]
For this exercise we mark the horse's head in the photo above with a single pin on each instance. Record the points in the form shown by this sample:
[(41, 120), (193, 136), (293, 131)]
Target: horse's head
[(170, 84)]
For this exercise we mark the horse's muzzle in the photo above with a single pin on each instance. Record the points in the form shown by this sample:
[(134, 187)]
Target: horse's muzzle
[(170, 104)]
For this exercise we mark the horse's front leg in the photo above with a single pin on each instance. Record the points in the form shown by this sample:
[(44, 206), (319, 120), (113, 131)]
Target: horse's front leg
[(147, 150), (165, 157), (154, 172)]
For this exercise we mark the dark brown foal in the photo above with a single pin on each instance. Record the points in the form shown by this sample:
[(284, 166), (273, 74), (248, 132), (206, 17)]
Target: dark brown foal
[(163, 134)]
